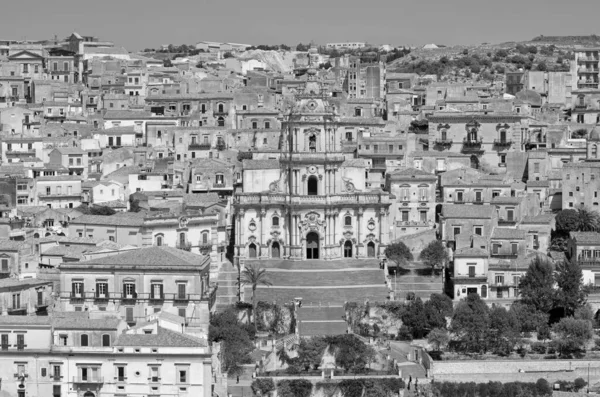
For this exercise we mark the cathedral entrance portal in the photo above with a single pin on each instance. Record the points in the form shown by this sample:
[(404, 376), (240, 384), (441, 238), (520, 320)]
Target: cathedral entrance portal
[(312, 246), (371, 250), (252, 251), (348, 249), (275, 250)]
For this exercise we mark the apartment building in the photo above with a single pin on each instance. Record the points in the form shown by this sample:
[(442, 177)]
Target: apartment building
[(60, 191)]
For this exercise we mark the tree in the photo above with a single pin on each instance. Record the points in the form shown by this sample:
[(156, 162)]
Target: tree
[(470, 324), (434, 255), (415, 318), (167, 63), (579, 384), (262, 386), (437, 309), (537, 286), (294, 388), (228, 54), (567, 220), (350, 352), (310, 352), (589, 220), (134, 204), (96, 210), (254, 276), (398, 253), (571, 335), (236, 343), (543, 387), (571, 293), (542, 66), (438, 337), (529, 318), (503, 333)]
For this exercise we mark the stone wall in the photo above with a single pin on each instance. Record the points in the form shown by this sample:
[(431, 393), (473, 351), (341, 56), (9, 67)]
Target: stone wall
[(510, 368)]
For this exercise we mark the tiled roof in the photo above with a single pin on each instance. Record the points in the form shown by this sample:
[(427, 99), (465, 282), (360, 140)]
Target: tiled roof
[(10, 245), (70, 150), (504, 233), (410, 173), (467, 211), (586, 237), (541, 218), (83, 322), (506, 200), (126, 115), (16, 284), (260, 164), (119, 130), (361, 163), (162, 338), (201, 199), (150, 256), (111, 220), (25, 320), (587, 164), (59, 178), (67, 239), (538, 183)]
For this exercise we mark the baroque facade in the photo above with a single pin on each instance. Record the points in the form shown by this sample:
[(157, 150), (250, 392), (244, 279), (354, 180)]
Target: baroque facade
[(309, 200)]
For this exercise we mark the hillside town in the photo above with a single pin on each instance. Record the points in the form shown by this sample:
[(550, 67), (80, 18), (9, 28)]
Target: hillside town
[(243, 220)]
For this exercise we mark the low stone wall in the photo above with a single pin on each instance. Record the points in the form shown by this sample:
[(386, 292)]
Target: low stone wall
[(474, 367)]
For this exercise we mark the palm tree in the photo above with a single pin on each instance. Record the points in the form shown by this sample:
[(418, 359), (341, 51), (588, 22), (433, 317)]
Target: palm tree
[(254, 275), (589, 220)]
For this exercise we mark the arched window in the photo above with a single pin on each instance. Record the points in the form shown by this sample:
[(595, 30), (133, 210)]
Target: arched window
[(275, 221), (594, 150), (312, 143), (484, 291), (267, 125), (473, 135), (581, 99), (347, 220), (444, 135), (84, 340), (204, 237), (221, 122), (182, 239), (502, 135), (159, 240), (159, 134), (221, 108), (254, 124), (313, 186), (105, 340)]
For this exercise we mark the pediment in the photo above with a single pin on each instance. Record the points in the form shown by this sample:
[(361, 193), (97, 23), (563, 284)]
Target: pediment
[(25, 55)]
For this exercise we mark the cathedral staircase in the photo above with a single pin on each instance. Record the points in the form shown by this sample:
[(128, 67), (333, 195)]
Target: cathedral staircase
[(415, 279), (322, 283), (227, 282), (321, 320)]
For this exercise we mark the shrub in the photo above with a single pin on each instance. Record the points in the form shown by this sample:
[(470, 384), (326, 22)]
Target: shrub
[(538, 347), (404, 333), (579, 384), (262, 386)]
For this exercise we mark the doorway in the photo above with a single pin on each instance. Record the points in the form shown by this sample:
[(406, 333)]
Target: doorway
[(275, 250), (371, 250), (348, 249), (252, 250), (312, 246), (474, 162)]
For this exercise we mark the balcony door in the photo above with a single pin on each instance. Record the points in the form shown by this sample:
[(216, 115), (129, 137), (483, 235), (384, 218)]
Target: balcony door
[(312, 246)]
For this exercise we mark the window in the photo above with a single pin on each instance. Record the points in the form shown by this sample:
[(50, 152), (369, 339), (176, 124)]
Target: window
[(20, 341), (478, 230), (514, 248), (182, 376), (495, 249), (499, 278), (56, 372), (16, 301), (63, 340), (129, 315), (219, 179), (205, 238), (77, 289), (275, 221), (423, 193), (84, 340), (156, 290), (181, 291), (405, 216), (121, 373), (267, 125), (56, 391), (4, 341), (154, 374), (423, 216), (129, 290), (510, 214), (181, 312), (105, 340), (536, 168), (478, 197), (471, 270), (456, 230), (348, 220), (159, 241), (4, 265)]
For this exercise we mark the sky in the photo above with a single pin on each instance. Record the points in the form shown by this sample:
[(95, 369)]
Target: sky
[(139, 24)]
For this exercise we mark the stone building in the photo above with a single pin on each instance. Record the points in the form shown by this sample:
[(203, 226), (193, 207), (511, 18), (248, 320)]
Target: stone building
[(308, 201)]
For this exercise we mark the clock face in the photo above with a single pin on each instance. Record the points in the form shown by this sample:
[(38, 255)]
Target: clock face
[(312, 105), (312, 169)]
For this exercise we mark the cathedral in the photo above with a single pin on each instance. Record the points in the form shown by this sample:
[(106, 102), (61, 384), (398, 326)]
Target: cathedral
[(310, 199)]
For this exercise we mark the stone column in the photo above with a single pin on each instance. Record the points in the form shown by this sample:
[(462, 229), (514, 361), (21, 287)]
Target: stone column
[(334, 237), (358, 230), (261, 218), (241, 231)]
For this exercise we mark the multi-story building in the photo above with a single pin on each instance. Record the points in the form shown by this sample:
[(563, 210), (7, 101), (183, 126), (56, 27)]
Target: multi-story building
[(139, 282), (16, 147), (584, 247), (309, 202), (73, 158), (458, 219), (585, 70), (61, 191), (414, 206)]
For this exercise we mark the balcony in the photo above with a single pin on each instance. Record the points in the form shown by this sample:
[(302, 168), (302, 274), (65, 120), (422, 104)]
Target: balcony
[(472, 145), (506, 222), (502, 284), (502, 143), (77, 297), (470, 278), (588, 59), (137, 297), (129, 299), (157, 299), (199, 146), (205, 248), (445, 143), (186, 246), (179, 299), (223, 113), (219, 185), (88, 380), (588, 70), (42, 303), (101, 298)]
